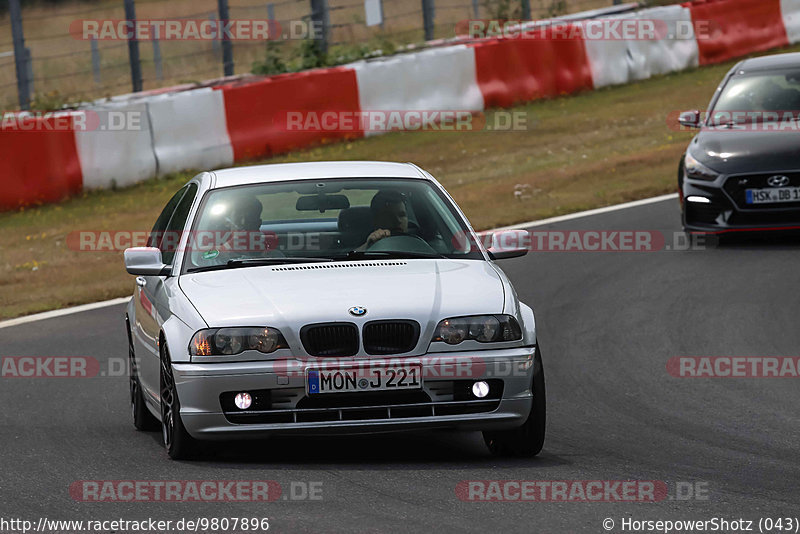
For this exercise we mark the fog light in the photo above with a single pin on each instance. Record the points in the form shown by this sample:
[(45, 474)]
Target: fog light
[(699, 200), (480, 389), (244, 400)]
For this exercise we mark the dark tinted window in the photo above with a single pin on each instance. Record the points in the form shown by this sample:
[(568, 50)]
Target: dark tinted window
[(327, 218), (161, 223), (176, 224), (761, 92)]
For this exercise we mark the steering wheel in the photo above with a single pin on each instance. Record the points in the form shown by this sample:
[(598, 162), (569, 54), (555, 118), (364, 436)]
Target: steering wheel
[(401, 243)]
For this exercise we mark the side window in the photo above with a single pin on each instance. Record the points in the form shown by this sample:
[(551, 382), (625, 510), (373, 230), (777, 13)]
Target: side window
[(176, 225), (157, 233)]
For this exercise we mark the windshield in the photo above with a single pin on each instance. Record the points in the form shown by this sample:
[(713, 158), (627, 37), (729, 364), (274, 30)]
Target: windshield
[(325, 220), (758, 97)]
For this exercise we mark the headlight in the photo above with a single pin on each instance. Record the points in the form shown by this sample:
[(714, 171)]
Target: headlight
[(698, 171), (232, 341), (480, 328)]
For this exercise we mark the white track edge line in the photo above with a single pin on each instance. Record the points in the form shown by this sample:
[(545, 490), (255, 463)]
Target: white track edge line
[(96, 305), (64, 311), (589, 213)]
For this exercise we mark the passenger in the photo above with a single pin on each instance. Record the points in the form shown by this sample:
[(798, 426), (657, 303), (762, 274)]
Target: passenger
[(240, 235)]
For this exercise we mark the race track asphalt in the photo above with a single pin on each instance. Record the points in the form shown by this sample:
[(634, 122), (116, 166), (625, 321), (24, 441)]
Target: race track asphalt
[(608, 323)]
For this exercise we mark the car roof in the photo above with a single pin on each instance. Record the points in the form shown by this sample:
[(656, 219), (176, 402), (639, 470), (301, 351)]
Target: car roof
[(778, 61), (282, 172)]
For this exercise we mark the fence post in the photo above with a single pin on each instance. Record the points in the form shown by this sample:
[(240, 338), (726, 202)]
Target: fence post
[(227, 45), (29, 70), (526, 9), (215, 47), (95, 60), (428, 15), (133, 49), (23, 90), (157, 54), (320, 19), (271, 12), (475, 8)]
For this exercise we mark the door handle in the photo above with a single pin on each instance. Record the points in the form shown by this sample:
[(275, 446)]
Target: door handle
[(141, 281)]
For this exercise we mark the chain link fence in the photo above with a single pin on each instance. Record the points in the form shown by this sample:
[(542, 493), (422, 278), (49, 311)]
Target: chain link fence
[(44, 66)]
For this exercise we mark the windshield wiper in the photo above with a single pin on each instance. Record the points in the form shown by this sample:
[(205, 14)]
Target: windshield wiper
[(359, 254), (255, 262)]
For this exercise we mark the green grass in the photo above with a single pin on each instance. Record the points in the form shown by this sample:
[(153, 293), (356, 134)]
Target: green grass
[(581, 152)]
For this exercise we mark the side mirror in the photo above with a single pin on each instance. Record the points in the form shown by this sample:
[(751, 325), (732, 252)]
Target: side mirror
[(690, 119), (145, 261), (509, 244)]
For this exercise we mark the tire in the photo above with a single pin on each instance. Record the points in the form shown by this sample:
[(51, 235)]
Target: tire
[(177, 441), (528, 439), (143, 420)]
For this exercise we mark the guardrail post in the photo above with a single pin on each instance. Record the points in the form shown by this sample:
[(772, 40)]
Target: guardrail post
[(227, 45), (133, 49), (320, 18), (20, 56), (29, 70), (428, 14)]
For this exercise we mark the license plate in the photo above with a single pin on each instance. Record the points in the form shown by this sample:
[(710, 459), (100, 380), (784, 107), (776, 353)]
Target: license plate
[(359, 379), (774, 194)]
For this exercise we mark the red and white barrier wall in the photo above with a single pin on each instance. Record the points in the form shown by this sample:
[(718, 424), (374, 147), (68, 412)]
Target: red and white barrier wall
[(790, 13), (118, 157), (616, 62), (189, 131), (246, 119), (442, 79), (519, 70), (38, 166), (739, 28)]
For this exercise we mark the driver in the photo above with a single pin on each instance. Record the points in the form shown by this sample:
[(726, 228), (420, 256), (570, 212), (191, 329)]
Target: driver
[(389, 217)]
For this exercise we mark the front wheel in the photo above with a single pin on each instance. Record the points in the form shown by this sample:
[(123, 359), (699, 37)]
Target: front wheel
[(142, 418), (528, 439), (179, 444)]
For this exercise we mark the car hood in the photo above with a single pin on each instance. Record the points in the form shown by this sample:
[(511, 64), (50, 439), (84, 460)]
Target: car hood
[(290, 296), (747, 152)]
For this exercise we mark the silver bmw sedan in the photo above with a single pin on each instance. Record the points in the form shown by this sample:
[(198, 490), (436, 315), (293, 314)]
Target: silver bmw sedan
[(335, 297)]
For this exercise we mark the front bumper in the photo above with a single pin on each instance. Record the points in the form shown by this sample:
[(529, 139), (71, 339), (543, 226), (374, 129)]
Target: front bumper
[(726, 212), (437, 405)]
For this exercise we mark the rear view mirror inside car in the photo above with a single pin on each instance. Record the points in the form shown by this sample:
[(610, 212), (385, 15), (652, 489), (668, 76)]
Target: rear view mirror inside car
[(322, 203)]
